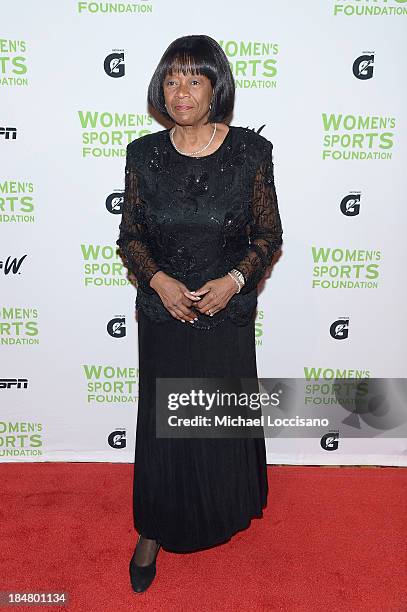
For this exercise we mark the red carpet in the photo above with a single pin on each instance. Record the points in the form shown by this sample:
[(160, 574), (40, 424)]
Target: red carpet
[(331, 539)]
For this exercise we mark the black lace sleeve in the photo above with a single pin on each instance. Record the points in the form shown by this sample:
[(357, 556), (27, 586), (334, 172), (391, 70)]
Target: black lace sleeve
[(265, 226), (133, 238)]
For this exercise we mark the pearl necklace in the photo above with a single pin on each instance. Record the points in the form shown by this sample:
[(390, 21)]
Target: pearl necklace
[(195, 152)]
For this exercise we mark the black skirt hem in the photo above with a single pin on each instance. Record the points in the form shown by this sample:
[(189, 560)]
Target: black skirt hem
[(216, 542)]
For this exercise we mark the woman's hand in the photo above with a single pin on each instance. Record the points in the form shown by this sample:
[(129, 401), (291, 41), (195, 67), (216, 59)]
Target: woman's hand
[(175, 296), (217, 293)]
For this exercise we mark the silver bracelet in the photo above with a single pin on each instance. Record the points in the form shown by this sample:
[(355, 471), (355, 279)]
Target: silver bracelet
[(237, 278), (236, 281)]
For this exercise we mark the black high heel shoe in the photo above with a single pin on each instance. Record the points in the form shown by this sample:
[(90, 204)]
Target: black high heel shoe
[(141, 576)]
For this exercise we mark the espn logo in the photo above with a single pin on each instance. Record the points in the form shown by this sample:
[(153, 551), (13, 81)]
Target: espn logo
[(9, 383)]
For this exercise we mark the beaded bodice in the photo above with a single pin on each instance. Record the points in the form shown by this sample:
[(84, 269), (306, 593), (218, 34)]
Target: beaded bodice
[(195, 218)]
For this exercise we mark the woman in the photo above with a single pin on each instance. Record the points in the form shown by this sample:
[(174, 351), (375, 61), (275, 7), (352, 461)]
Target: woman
[(200, 224)]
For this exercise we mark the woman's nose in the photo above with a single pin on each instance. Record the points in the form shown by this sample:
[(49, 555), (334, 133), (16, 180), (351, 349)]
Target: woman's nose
[(183, 90)]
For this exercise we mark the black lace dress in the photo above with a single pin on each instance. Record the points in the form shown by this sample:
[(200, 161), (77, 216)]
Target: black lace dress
[(195, 219)]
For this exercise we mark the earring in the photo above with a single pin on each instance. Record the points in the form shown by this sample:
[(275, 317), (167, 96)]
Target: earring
[(210, 106)]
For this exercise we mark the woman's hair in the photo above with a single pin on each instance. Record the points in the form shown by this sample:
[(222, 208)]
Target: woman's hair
[(196, 54)]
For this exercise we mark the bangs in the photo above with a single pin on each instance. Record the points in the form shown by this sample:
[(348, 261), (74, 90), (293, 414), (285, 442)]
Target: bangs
[(186, 63)]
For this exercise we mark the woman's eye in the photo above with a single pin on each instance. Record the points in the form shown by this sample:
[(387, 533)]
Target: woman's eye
[(195, 81)]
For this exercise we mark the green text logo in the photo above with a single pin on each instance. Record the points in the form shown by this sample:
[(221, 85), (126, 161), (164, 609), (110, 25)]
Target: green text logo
[(107, 134), (115, 8), (16, 202), (13, 63), (102, 266), (253, 64), (20, 439), (357, 137), (345, 268), (110, 384), (18, 326), (365, 8), (259, 328)]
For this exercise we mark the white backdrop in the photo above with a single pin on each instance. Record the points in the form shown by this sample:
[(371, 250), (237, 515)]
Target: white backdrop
[(306, 73)]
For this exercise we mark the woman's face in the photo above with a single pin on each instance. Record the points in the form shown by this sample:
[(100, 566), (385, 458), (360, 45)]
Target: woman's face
[(187, 97)]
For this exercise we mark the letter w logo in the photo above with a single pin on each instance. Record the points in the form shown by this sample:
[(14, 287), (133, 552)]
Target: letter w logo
[(12, 265)]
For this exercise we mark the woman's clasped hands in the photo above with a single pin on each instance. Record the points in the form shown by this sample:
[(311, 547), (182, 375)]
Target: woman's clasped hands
[(182, 304)]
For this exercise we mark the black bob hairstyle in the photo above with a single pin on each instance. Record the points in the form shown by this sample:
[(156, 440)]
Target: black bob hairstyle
[(196, 54)]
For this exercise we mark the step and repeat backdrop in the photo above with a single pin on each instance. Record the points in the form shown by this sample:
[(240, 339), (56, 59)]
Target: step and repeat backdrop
[(325, 82)]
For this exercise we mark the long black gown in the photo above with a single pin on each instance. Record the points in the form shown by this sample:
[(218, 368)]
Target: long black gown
[(195, 219)]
